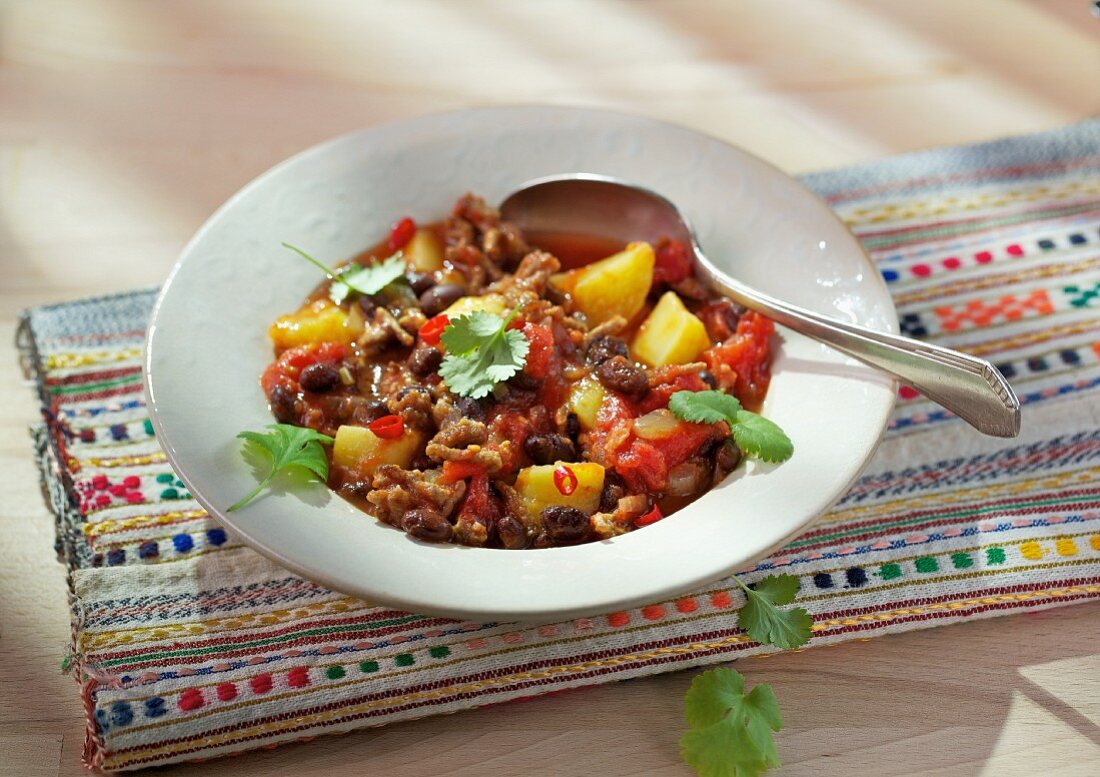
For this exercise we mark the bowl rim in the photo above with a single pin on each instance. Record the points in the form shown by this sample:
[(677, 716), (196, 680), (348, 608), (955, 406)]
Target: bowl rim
[(542, 614)]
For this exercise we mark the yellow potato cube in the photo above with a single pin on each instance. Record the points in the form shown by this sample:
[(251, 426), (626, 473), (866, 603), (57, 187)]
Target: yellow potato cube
[(615, 286), (360, 451), (490, 303), (424, 252), (538, 490), (585, 398), (320, 321), (670, 334)]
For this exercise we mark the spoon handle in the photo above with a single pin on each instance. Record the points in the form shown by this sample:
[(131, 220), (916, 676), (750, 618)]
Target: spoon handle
[(971, 388)]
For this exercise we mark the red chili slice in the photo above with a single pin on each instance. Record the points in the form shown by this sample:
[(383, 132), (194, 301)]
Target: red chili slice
[(565, 480), (402, 233), (652, 516), (388, 427), (433, 329)]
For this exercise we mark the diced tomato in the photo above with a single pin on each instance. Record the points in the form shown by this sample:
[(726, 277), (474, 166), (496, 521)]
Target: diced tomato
[(512, 427), (402, 233), (742, 363), (541, 340), (479, 504), (614, 430), (673, 262), (460, 470), (643, 467), (273, 376), (659, 394), (687, 441)]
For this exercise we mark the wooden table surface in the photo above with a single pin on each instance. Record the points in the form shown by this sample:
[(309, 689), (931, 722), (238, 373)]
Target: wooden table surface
[(123, 125)]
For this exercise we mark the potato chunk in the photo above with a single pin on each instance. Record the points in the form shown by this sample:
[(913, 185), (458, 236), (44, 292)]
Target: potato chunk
[(321, 321), (424, 252), (360, 451), (615, 286), (538, 490), (490, 303), (670, 334), (585, 398)]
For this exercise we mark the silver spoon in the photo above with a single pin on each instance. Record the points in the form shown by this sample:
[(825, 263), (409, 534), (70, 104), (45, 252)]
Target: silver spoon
[(969, 387)]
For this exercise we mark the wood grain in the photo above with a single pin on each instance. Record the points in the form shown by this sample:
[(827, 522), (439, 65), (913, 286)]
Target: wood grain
[(123, 125)]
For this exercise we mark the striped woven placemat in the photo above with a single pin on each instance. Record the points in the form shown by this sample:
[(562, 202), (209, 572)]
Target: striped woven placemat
[(188, 645)]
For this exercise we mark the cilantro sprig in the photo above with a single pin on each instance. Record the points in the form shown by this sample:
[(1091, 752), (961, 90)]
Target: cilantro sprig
[(731, 733), (287, 446), (761, 618), (365, 280), (753, 433), (481, 352)]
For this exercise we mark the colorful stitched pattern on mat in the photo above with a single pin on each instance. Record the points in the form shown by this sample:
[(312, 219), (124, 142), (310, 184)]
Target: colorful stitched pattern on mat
[(996, 274), (190, 645)]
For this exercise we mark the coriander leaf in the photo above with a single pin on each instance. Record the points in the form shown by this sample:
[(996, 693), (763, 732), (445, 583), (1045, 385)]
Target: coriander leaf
[(704, 407), (462, 338), (761, 618), (759, 437), (731, 733), (354, 277), (286, 446), (374, 277), (481, 352)]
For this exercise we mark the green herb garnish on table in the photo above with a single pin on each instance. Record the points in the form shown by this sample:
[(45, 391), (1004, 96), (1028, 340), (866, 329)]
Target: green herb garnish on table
[(731, 733)]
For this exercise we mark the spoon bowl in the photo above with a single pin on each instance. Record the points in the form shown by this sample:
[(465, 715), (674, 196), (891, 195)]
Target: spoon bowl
[(580, 203)]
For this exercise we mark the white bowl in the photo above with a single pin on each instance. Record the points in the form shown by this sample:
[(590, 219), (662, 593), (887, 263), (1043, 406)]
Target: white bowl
[(208, 344)]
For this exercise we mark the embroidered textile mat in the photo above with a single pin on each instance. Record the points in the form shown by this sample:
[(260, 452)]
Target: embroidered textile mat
[(189, 645)]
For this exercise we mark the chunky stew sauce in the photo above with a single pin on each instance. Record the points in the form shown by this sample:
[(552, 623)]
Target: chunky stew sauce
[(576, 447)]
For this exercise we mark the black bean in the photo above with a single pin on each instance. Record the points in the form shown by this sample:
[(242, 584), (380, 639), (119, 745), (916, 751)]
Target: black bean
[(524, 382), (367, 304), (554, 295), (728, 457), (319, 378), (620, 374), (708, 377), (425, 360), (614, 489), (426, 524), (369, 411), (420, 282), (438, 298), (470, 408), (573, 427), (604, 347), (282, 404), (565, 524), (512, 533), (548, 448), (414, 390)]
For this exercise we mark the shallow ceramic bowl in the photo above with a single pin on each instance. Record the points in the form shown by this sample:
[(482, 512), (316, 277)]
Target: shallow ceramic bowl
[(208, 344)]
